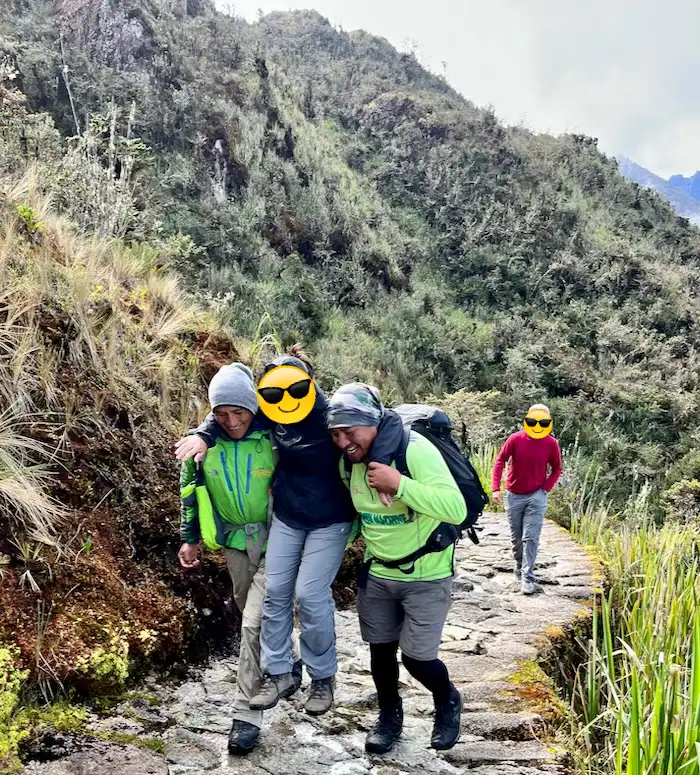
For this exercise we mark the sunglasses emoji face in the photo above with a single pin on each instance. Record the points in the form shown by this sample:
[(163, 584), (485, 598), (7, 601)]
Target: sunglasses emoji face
[(537, 424), (286, 394)]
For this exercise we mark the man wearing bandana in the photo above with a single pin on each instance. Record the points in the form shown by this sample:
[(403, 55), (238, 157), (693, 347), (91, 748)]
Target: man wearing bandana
[(535, 467), (402, 607)]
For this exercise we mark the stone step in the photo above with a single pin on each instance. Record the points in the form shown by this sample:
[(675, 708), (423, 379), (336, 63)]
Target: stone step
[(104, 758), (494, 752), (511, 768), (494, 725)]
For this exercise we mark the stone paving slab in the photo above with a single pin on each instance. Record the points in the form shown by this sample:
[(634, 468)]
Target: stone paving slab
[(491, 630)]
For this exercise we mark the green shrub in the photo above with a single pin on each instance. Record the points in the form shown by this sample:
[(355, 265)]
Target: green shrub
[(13, 728), (682, 502)]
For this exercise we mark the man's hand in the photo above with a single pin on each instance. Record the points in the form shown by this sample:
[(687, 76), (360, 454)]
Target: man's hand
[(189, 556), (384, 479), (498, 497), (191, 446), (385, 499)]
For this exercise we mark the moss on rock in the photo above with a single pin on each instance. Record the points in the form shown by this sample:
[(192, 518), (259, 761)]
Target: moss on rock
[(536, 689)]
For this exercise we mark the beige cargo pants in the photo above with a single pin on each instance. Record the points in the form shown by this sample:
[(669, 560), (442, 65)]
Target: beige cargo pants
[(248, 592)]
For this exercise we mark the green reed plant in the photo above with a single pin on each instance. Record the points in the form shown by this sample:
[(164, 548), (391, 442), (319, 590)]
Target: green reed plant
[(636, 696), (483, 459)]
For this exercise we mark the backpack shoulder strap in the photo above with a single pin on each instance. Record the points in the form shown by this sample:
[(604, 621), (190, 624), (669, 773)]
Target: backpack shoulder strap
[(400, 459)]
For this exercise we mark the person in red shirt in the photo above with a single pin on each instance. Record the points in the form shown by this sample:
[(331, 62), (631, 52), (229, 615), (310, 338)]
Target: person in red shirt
[(535, 467)]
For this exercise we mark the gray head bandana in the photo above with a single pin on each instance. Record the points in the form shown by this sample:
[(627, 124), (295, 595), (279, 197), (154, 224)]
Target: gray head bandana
[(355, 404)]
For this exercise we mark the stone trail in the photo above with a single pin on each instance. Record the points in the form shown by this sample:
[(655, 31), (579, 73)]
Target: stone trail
[(491, 630)]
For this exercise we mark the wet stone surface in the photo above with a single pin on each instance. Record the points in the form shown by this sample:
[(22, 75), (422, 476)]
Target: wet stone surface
[(491, 629)]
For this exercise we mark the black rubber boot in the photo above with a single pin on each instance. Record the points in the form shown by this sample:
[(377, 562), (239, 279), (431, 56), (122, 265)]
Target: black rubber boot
[(386, 730), (447, 722), (296, 674), (242, 737)]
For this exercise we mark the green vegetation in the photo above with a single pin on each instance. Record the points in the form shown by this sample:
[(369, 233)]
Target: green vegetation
[(536, 689), (635, 699), (12, 730), (170, 175), (107, 665), (19, 722), (154, 744)]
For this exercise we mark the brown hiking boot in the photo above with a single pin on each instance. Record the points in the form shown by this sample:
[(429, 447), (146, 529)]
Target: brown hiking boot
[(320, 696), (274, 688)]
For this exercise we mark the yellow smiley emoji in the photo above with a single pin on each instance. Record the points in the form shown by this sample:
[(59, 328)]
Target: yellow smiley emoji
[(538, 422), (286, 394)]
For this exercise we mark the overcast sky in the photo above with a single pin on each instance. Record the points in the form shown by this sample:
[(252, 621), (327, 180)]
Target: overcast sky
[(625, 71)]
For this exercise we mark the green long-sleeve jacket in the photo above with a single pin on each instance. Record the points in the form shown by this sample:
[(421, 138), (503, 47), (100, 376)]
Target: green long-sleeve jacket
[(429, 496), (238, 475)]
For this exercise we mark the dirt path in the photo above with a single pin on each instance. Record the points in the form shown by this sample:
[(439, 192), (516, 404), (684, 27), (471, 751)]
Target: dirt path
[(491, 639)]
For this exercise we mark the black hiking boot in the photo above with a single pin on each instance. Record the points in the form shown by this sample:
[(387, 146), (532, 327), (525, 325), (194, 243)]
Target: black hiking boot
[(386, 730), (447, 722), (242, 737), (296, 674)]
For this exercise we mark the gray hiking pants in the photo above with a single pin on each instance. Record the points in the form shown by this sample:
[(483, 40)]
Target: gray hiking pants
[(301, 564), (525, 517)]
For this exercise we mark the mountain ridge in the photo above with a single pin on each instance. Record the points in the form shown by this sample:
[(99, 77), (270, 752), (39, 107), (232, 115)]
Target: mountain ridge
[(321, 186), (683, 193), (691, 184)]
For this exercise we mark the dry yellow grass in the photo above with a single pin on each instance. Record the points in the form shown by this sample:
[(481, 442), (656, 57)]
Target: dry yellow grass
[(92, 333)]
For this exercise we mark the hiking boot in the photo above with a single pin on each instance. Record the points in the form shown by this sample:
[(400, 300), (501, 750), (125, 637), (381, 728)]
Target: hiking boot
[(528, 587), (242, 737), (274, 688), (386, 730), (320, 696), (447, 722), (296, 674), (518, 573)]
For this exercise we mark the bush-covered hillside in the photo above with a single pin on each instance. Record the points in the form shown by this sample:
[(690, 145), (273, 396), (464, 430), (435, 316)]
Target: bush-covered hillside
[(302, 183), (103, 360), (320, 185)]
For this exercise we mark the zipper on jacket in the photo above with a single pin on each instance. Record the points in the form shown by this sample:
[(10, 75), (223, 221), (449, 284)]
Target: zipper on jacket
[(238, 480), (249, 470), (222, 458)]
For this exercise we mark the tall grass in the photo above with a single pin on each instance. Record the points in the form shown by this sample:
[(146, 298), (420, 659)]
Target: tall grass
[(23, 484), (483, 458), (637, 694), (89, 328)]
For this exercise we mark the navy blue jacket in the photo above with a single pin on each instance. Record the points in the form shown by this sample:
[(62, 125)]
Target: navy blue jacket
[(307, 489)]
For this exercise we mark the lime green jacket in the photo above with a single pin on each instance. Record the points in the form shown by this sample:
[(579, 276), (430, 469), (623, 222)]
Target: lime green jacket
[(428, 497), (238, 476)]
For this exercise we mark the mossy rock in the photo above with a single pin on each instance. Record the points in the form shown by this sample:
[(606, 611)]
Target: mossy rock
[(536, 689)]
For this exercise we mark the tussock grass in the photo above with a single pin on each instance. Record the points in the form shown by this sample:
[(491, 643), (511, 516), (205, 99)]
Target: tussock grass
[(91, 332), (23, 484)]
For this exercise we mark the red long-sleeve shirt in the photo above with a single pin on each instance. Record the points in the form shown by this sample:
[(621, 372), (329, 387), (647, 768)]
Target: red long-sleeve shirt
[(529, 459)]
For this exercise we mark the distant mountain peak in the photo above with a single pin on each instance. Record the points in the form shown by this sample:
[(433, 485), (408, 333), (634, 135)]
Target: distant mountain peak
[(681, 192)]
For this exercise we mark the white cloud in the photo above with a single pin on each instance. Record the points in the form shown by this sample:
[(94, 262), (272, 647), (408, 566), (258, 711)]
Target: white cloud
[(625, 71)]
